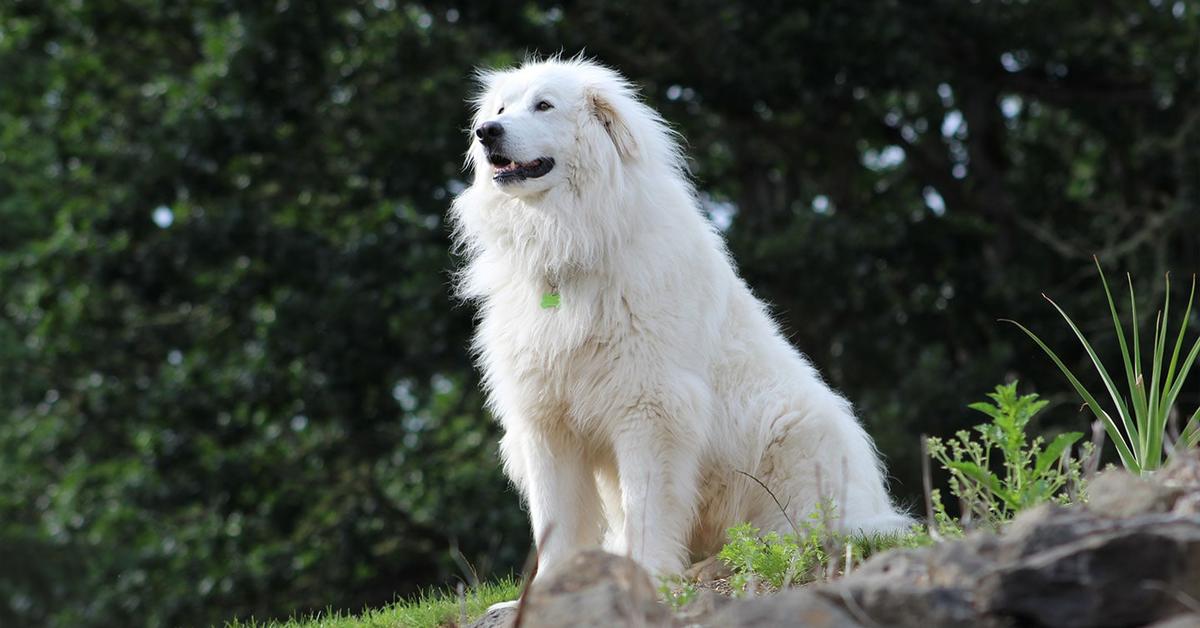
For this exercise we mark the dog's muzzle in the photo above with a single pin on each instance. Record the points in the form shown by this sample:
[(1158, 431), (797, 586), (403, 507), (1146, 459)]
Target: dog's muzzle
[(509, 171)]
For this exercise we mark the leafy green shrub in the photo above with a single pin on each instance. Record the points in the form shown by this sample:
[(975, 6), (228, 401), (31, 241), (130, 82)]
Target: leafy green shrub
[(1033, 472), (1139, 437)]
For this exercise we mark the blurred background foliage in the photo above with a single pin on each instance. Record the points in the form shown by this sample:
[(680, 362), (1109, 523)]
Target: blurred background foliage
[(233, 382)]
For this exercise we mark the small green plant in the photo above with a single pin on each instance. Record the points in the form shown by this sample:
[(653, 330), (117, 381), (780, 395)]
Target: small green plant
[(677, 592), (946, 527), (1032, 473), (773, 559), (1140, 434), (776, 560)]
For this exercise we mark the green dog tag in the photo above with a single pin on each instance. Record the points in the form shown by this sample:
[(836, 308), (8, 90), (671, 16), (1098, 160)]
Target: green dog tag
[(551, 300)]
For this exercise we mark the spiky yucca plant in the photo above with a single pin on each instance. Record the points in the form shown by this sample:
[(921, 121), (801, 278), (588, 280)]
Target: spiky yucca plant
[(1139, 431)]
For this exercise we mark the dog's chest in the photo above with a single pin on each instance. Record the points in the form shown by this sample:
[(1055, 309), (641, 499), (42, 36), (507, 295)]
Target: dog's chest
[(550, 361)]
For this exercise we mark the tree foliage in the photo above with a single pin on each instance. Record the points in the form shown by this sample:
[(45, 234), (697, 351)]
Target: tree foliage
[(233, 382)]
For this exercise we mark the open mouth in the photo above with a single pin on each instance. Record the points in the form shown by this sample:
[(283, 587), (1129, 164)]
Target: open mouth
[(508, 170)]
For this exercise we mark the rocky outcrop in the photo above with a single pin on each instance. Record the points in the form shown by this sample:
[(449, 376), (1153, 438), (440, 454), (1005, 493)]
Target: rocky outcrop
[(1052, 567), (1131, 557)]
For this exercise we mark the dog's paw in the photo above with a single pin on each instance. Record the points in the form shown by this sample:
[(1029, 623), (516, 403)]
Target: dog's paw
[(499, 606), (498, 615), (707, 570)]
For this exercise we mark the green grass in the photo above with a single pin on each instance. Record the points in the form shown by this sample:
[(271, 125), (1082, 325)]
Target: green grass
[(810, 554), (432, 608)]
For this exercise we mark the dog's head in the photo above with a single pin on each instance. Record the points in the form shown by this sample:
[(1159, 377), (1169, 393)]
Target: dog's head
[(551, 122), (568, 164)]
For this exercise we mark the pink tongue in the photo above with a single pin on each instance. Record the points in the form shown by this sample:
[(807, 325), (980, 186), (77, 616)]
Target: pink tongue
[(513, 165)]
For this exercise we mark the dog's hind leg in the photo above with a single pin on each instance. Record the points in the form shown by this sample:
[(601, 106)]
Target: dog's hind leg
[(820, 456)]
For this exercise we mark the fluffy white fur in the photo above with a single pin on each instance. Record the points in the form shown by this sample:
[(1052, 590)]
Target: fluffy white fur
[(629, 409)]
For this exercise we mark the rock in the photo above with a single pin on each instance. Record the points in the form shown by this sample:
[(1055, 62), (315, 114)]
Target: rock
[(1130, 558), (1123, 573), (793, 607), (1183, 475), (907, 588), (1183, 472), (1190, 620), (594, 588), (1115, 493), (707, 570), (697, 612)]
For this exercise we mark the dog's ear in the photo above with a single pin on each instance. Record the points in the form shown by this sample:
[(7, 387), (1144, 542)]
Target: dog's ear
[(614, 124)]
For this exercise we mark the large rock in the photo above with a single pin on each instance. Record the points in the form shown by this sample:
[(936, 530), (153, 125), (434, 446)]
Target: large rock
[(594, 589), (794, 607), (1113, 573), (917, 588), (1130, 558), (1190, 620)]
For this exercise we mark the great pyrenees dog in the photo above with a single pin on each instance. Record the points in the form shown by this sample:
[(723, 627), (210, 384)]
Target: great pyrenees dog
[(638, 381)]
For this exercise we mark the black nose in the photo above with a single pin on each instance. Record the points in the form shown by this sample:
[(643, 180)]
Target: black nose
[(489, 132)]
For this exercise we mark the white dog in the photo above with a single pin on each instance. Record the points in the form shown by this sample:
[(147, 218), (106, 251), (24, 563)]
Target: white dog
[(634, 373)]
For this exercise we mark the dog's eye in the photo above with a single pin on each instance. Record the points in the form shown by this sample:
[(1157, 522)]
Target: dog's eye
[(544, 106), (501, 111)]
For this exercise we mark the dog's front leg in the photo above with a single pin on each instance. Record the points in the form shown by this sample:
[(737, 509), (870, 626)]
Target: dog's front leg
[(658, 472), (564, 505)]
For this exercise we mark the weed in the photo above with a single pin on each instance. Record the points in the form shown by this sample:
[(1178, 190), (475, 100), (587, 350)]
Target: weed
[(1033, 472), (947, 527), (773, 559), (677, 592)]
